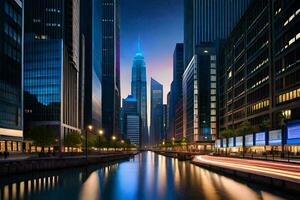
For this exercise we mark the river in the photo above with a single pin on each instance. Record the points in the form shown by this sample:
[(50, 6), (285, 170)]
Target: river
[(146, 176)]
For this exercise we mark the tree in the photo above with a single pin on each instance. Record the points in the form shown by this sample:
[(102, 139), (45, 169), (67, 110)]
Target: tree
[(43, 136), (244, 128), (227, 133), (265, 124), (72, 140), (281, 119)]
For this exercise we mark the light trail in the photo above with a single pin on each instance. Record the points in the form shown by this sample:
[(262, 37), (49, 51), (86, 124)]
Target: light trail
[(283, 171)]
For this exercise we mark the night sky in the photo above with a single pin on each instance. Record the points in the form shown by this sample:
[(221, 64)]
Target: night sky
[(159, 24)]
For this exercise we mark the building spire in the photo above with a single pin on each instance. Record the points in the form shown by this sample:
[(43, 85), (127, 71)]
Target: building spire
[(139, 45)]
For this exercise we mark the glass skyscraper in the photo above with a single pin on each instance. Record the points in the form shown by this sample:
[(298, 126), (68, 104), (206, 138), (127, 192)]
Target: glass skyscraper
[(139, 89), (131, 120), (11, 94), (51, 64), (156, 127), (208, 21), (111, 66), (199, 95), (91, 63)]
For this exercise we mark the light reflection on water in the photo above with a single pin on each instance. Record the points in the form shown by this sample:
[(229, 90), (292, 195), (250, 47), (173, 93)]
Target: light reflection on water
[(151, 176), (147, 176)]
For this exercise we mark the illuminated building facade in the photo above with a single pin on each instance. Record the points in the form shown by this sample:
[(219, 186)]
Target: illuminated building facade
[(259, 71), (11, 92), (51, 65)]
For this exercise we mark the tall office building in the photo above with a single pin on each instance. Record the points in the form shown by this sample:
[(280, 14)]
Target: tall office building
[(90, 94), (51, 64), (171, 112), (11, 93), (178, 69), (111, 66), (139, 89), (208, 21), (260, 66), (207, 24), (156, 126), (165, 122), (131, 120), (199, 95)]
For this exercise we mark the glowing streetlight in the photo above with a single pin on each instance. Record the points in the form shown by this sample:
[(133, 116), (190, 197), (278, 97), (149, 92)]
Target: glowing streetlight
[(113, 137), (90, 127), (101, 132), (122, 141)]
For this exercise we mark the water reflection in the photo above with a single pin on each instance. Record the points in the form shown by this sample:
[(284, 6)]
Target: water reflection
[(151, 176), (147, 176)]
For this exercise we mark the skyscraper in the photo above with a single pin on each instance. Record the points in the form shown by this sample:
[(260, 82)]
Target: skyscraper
[(208, 21), (139, 89), (178, 69), (131, 120), (51, 64), (259, 77), (165, 122), (111, 66), (11, 93), (207, 24), (90, 64), (156, 126), (199, 95)]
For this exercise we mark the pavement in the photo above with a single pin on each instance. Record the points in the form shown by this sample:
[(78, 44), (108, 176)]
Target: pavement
[(277, 170)]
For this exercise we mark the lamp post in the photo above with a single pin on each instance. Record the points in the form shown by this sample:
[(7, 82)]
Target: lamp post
[(114, 139), (90, 128), (100, 132)]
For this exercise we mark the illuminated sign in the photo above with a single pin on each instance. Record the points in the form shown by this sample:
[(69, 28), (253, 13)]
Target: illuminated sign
[(293, 134), (224, 142), (249, 140), (239, 141), (231, 142), (260, 139), (275, 137)]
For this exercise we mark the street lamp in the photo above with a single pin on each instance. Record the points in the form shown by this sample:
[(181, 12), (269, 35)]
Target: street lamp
[(100, 132), (113, 137), (90, 128)]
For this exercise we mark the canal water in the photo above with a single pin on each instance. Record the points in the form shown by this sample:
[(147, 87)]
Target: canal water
[(146, 176)]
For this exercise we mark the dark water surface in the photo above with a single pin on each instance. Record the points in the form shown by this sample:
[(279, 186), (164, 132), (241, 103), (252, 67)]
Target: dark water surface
[(147, 176)]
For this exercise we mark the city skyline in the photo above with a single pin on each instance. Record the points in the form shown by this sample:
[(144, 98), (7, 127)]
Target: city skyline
[(150, 99), (155, 31)]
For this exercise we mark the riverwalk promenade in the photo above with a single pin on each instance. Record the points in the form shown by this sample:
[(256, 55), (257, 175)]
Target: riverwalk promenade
[(26, 164)]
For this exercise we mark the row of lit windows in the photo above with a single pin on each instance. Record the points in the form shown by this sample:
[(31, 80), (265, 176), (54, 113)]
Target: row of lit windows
[(260, 65), (40, 37), (291, 41), (260, 105), (278, 11), (291, 17), (260, 82), (11, 146), (53, 24), (52, 10), (288, 96)]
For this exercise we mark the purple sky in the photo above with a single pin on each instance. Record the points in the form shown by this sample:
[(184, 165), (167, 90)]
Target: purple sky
[(159, 23)]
